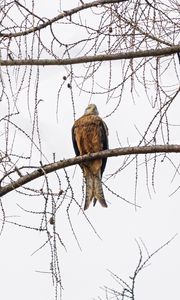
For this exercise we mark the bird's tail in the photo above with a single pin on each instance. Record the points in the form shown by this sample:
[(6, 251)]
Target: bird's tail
[(94, 190), (98, 191), (89, 191)]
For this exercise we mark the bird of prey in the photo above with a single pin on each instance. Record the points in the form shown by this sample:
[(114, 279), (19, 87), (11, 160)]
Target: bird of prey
[(90, 135)]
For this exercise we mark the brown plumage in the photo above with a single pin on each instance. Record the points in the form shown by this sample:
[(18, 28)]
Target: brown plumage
[(90, 135)]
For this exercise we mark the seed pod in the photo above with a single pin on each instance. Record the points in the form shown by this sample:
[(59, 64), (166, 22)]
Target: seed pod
[(51, 220), (69, 86)]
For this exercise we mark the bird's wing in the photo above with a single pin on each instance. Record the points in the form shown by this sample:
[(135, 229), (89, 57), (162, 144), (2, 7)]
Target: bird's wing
[(104, 141), (76, 150)]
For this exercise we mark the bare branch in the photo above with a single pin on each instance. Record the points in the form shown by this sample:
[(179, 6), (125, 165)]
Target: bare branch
[(86, 59), (62, 15), (80, 159)]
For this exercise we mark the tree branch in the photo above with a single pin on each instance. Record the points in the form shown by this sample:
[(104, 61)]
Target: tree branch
[(80, 159), (86, 59), (62, 15)]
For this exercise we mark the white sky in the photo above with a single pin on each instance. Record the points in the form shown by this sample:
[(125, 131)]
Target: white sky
[(84, 272)]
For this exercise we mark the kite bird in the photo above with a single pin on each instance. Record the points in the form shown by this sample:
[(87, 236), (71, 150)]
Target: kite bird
[(90, 135)]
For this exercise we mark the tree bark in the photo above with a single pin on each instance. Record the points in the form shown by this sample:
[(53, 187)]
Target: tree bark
[(80, 159), (86, 59)]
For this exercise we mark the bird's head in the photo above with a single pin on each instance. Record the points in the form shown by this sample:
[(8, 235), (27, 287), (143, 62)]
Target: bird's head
[(91, 110)]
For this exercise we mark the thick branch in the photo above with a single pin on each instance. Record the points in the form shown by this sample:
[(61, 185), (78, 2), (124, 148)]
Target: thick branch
[(80, 159), (62, 15), (86, 59)]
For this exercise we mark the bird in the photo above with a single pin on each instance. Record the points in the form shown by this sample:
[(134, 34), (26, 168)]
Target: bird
[(90, 135)]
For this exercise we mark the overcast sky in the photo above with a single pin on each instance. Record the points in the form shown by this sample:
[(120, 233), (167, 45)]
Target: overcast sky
[(85, 272)]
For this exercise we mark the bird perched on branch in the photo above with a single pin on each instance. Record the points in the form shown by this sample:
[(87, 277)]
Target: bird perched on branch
[(90, 135)]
